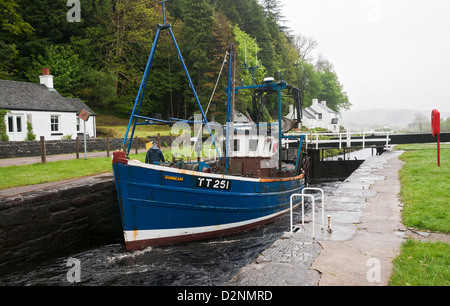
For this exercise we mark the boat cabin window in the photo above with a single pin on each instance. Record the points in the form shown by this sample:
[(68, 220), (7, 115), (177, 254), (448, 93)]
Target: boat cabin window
[(237, 145), (253, 145)]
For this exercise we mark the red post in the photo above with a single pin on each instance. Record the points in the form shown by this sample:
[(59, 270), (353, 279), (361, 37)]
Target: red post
[(436, 131)]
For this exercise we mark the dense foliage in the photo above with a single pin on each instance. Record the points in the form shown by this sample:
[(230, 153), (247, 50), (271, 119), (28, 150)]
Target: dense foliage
[(3, 135), (102, 58)]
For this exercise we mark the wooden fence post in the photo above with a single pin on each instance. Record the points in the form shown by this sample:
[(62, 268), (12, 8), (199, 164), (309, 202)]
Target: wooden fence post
[(107, 146), (77, 144), (43, 153)]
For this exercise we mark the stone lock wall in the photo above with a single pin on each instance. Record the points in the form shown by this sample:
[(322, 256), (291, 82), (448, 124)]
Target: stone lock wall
[(59, 220)]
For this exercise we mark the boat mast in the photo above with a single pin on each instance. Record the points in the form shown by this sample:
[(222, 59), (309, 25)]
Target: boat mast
[(138, 102), (231, 95)]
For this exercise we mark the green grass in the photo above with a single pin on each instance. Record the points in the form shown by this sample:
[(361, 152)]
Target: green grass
[(116, 127), (425, 194), (422, 264), (140, 132), (15, 176), (426, 188)]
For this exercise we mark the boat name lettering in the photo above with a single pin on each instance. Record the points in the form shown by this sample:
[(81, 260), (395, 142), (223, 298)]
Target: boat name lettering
[(173, 178), (213, 183)]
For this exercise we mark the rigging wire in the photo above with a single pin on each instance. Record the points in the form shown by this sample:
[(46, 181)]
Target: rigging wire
[(212, 96), (217, 83)]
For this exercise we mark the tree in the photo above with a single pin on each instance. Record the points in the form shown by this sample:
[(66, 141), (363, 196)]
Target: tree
[(3, 135), (230, 8), (13, 27), (11, 21), (197, 23), (305, 45), (195, 39), (97, 88), (273, 11), (64, 65), (445, 125), (333, 90), (221, 36), (309, 82), (8, 56), (102, 58), (130, 29), (419, 121), (254, 24), (246, 50)]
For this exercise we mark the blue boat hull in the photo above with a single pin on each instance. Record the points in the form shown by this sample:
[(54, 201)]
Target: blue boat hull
[(162, 205)]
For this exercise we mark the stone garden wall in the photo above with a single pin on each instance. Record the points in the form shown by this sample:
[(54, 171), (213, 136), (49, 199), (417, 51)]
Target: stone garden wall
[(12, 149)]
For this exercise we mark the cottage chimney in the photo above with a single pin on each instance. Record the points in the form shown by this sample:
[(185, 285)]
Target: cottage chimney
[(315, 101), (46, 78), (324, 103)]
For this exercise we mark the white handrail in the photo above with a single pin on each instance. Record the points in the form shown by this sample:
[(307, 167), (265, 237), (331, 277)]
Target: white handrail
[(323, 205), (346, 138), (303, 195), (313, 205)]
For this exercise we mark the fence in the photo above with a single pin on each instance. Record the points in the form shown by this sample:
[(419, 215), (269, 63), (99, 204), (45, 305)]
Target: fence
[(13, 149), (347, 140)]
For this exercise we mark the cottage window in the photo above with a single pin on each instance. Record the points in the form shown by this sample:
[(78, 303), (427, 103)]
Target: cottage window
[(320, 116), (11, 124), (19, 124), (54, 121), (78, 125), (15, 124)]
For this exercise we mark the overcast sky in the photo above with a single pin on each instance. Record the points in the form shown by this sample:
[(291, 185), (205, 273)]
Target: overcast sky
[(392, 54)]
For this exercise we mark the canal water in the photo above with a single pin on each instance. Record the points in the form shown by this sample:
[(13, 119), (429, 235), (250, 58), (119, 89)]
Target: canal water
[(206, 263), (362, 154)]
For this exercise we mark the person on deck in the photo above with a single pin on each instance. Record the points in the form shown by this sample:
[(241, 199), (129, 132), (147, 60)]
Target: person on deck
[(154, 155)]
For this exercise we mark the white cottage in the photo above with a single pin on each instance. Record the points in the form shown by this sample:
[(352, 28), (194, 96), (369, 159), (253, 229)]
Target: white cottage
[(317, 115), (326, 117), (50, 114), (309, 119)]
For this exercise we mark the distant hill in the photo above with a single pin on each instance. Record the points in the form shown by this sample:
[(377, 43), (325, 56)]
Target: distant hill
[(378, 118)]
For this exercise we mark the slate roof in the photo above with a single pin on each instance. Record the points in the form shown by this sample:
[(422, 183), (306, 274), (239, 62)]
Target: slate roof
[(326, 108), (312, 111), (36, 97), (307, 112)]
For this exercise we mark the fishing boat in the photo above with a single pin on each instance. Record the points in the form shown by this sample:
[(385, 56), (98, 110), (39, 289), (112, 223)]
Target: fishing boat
[(246, 183)]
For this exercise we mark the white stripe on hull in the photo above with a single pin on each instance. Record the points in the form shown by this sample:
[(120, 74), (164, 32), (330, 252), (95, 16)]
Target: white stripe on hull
[(139, 235)]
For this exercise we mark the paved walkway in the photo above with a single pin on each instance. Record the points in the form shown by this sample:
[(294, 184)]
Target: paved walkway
[(366, 258), (366, 236)]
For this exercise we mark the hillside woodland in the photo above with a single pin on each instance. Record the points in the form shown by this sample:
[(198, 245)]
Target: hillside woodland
[(100, 58)]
